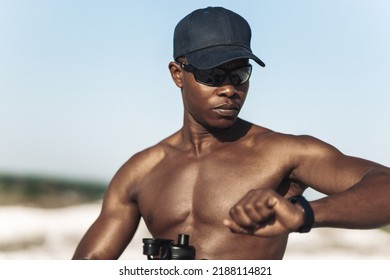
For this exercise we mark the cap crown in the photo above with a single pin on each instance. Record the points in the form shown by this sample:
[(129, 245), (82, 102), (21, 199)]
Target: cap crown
[(210, 27)]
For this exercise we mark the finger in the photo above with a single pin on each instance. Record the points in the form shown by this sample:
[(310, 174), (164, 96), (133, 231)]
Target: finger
[(256, 207), (259, 211), (239, 215), (235, 228), (255, 211)]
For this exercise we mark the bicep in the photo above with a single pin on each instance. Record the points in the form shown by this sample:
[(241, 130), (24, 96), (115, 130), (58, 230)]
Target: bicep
[(114, 228), (325, 169), (109, 235)]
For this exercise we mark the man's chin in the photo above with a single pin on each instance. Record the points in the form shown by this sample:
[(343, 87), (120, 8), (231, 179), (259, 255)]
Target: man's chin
[(223, 124)]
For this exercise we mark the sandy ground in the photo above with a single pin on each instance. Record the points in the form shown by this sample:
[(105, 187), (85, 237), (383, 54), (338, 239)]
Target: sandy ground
[(38, 234)]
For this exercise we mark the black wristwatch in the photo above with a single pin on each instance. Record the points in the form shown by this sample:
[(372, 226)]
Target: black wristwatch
[(307, 210)]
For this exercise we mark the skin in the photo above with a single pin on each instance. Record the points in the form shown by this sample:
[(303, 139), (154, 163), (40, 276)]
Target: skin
[(225, 182)]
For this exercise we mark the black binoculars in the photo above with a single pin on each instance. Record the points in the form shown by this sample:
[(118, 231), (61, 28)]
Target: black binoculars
[(164, 249)]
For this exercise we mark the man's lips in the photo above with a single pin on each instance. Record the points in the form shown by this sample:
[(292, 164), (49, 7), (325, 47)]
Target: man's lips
[(226, 110), (227, 107)]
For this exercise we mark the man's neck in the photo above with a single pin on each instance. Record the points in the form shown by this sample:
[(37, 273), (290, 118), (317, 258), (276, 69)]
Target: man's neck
[(201, 139)]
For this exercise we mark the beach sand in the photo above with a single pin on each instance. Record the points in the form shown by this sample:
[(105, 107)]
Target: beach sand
[(43, 234)]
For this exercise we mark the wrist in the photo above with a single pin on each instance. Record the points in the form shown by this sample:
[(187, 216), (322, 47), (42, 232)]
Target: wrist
[(308, 214)]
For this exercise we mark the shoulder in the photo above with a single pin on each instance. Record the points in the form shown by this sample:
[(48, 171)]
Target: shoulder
[(124, 185), (279, 140), (294, 148), (143, 162)]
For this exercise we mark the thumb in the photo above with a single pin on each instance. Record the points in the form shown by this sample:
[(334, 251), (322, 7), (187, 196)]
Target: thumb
[(271, 202)]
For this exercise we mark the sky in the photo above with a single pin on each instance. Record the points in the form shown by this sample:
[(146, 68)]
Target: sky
[(85, 84)]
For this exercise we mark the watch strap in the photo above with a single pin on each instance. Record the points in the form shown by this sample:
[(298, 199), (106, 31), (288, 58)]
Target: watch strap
[(307, 211)]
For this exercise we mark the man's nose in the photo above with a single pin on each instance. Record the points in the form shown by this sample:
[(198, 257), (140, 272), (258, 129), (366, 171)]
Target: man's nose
[(227, 90)]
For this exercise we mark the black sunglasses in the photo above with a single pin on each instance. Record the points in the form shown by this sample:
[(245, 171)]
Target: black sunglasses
[(216, 76)]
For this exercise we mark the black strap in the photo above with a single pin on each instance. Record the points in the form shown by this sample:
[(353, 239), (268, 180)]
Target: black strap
[(307, 210)]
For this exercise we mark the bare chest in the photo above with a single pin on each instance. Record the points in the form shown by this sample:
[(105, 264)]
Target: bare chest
[(189, 193)]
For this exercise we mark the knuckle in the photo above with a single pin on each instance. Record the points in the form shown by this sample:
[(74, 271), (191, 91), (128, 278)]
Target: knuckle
[(259, 204), (233, 211), (248, 207), (238, 208)]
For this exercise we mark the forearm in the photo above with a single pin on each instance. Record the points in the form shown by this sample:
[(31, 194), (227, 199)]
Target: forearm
[(365, 205)]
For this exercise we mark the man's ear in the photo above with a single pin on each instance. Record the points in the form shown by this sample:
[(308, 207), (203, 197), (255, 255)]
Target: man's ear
[(176, 73)]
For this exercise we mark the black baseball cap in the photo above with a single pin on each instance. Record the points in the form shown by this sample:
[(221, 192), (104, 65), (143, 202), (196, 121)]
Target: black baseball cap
[(213, 36)]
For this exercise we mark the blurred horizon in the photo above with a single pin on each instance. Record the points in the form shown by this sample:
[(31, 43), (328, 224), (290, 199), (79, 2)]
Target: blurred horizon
[(85, 85)]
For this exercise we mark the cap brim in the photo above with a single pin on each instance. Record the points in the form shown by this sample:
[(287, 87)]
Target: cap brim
[(215, 56)]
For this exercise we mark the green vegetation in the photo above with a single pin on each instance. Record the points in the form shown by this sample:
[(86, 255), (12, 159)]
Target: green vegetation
[(47, 192), (386, 228)]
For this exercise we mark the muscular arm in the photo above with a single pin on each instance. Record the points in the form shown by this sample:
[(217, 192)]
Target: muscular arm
[(358, 192), (117, 223)]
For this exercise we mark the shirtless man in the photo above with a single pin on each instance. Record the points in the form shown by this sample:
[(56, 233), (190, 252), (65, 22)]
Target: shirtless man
[(231, 185)]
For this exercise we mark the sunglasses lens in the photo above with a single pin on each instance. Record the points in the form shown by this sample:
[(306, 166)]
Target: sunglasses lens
[(216, 76), (241, 75), (211, 77)]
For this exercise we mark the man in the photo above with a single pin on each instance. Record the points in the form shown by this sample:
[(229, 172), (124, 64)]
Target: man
[(233, 186)]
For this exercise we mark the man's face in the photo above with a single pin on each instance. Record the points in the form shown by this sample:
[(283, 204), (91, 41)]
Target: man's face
[(215, 107)]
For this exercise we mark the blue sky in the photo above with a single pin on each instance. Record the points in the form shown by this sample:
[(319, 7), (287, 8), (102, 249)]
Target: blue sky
[(85, 84)]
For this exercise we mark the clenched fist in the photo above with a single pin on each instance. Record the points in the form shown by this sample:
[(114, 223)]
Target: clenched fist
[(264, 213)]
